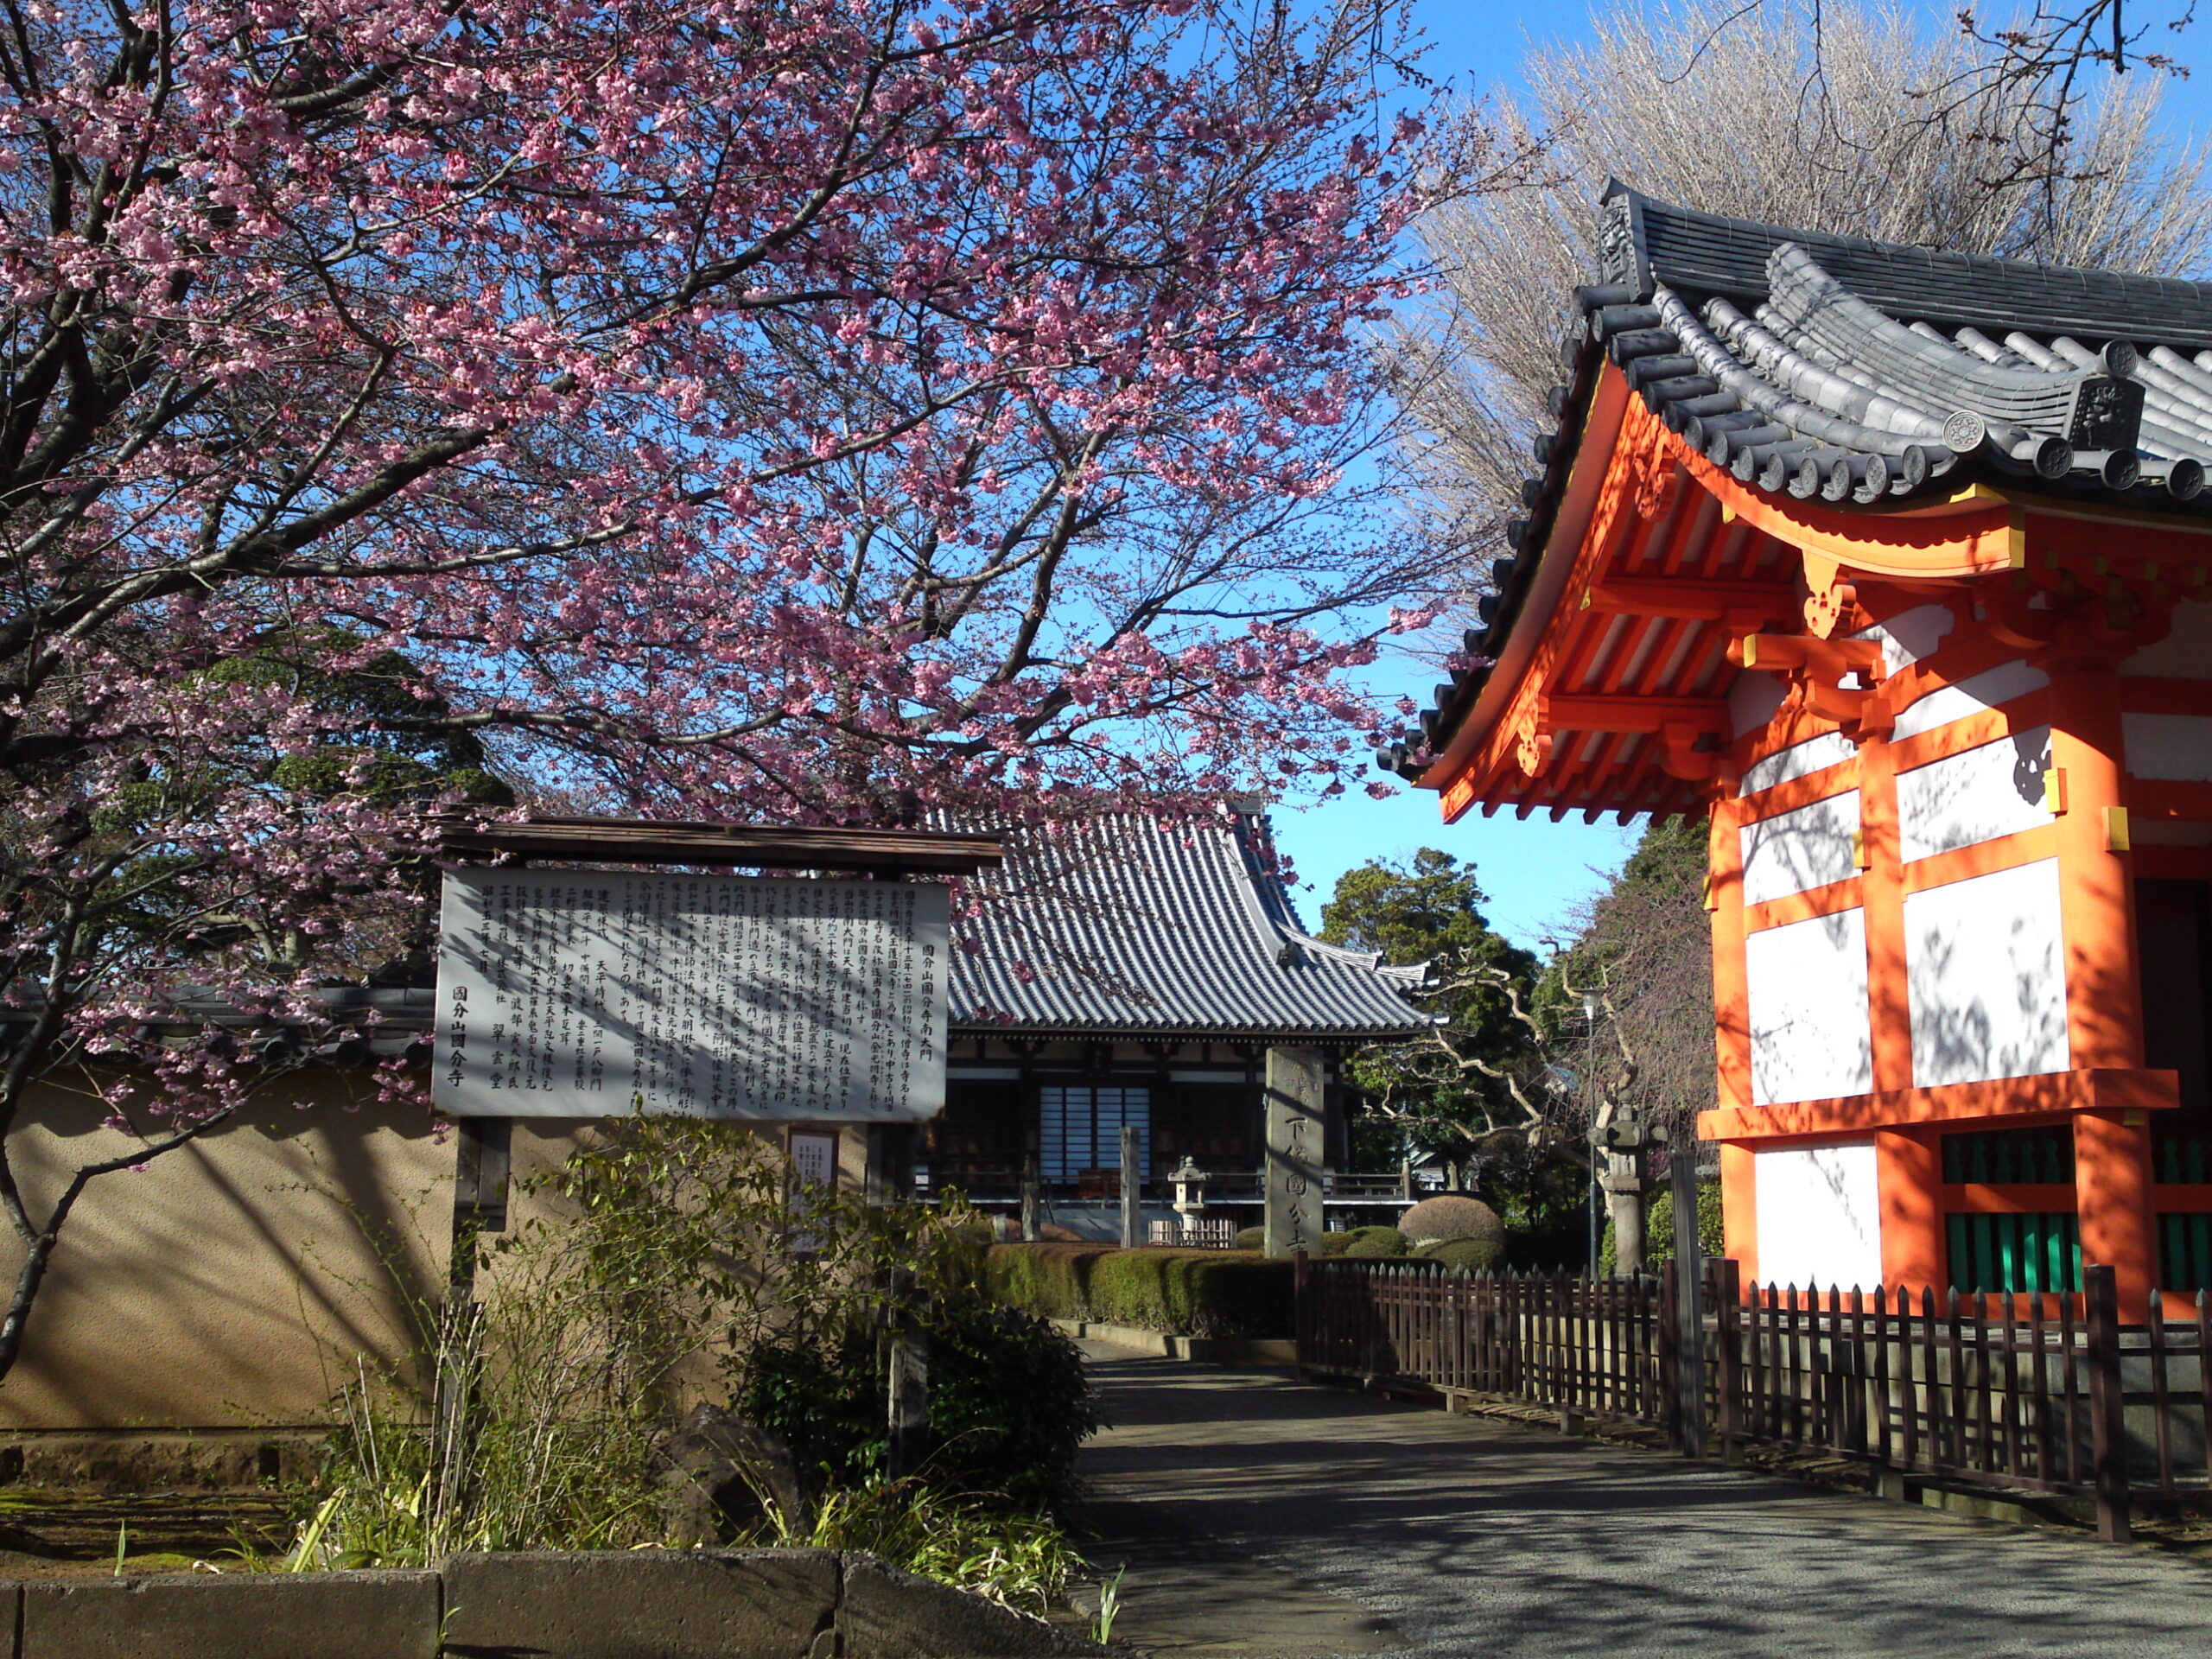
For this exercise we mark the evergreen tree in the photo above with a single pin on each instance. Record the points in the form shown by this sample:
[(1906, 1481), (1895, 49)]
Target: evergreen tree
[(1440, 1090)]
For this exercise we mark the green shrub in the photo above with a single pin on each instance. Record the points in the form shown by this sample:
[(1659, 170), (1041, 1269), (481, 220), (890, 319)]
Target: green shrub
[(826, 1402), (1194, 1292), (1371, 1243), (673, 1260), (1044, 1279), (1659, 1229), (1335, 1243), (1187, 1293), (1252, 1238), (1659, 1223), (1453, 1216), (1376, 1249), (1008, 1406), (1465, 1254)]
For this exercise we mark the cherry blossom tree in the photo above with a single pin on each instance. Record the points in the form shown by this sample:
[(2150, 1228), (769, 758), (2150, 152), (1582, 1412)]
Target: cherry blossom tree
[(821, 410)]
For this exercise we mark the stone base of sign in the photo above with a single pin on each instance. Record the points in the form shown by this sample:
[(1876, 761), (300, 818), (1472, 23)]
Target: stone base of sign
[(777, 1604)]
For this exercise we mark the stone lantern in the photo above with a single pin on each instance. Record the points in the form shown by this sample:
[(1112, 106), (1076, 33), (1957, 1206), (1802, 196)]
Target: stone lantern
[(1190, 1182)]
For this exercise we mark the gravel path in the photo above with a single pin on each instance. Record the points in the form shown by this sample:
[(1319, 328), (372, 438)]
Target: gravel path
[(1470, 1537)]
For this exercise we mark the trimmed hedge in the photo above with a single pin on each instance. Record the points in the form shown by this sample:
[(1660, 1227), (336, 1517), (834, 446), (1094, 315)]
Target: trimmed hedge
[(1382, 1243), (1453, 1216), (1157, 1287), (1463, 1255)]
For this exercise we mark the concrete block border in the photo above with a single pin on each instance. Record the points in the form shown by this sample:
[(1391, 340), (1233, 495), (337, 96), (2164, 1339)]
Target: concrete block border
[(697, 1604)]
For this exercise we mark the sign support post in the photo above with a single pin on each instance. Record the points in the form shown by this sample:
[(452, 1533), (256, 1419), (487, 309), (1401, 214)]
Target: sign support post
[(909, 1400)]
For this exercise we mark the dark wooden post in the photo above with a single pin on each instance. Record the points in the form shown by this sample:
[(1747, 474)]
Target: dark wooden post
[(890, 1163), (482, 1151), (1728, 1356), (1687, 1311), (2107, 1405), (909, 1401), (1132, 1189), (1030, 1198)]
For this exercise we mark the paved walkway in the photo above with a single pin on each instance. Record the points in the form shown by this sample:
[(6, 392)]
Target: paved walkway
[(1264, 1518)]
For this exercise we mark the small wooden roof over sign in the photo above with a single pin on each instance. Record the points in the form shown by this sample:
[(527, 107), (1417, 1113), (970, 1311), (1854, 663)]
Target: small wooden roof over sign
[(655, 840)]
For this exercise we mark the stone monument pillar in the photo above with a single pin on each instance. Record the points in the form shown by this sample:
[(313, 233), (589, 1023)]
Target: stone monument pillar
[(1295, 1155)]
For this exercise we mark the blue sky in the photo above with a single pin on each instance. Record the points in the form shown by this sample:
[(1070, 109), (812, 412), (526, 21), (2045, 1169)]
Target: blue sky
[(1535, 871)]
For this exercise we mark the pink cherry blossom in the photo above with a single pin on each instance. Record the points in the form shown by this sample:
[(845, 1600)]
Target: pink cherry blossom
[(817, 410)]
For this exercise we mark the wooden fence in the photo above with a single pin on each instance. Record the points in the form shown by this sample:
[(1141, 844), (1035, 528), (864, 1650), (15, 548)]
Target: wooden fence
[(2047, 1394), (1596, 1345), (1199, 1233)]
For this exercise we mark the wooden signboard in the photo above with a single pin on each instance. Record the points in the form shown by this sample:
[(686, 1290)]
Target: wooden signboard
[(597, 993)]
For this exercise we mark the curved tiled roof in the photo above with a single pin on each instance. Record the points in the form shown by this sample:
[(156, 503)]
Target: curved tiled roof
[(1130, 925), (1863, 373)]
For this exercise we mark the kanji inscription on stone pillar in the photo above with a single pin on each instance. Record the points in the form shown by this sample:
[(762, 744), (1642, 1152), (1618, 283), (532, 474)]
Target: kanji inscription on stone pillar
[(1294, 1150)]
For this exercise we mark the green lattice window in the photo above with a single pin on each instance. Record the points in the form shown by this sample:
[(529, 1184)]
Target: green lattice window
[(1999, 1253), (2183, 1162), (2010, 1157), (2185, 1252)]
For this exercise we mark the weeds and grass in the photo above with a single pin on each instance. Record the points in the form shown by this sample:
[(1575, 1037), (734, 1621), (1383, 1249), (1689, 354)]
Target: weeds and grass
[(675, 1273), (1020, 1561), (539, 1436), (1110, 1608)]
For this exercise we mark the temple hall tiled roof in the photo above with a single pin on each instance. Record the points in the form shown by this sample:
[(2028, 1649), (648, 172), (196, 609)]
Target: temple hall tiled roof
[(1864, 375), (1132, 925)]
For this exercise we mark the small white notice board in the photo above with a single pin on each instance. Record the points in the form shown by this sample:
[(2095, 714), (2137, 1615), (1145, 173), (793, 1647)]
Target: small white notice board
[(595, 994), (814, 1159)]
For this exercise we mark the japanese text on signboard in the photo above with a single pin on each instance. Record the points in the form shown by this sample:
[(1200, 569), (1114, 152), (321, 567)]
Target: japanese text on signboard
[(589, 993)]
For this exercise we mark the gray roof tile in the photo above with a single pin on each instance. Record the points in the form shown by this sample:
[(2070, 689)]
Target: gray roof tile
[(1128, 925), (1855, 371)]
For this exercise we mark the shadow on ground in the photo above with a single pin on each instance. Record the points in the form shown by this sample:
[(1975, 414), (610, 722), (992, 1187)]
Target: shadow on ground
[(1474, 1537), (63, 1534)]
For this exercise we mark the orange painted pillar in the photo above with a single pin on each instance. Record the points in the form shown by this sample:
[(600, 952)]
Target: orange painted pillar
[(2104, 1007), (1881, 888), (1739, 1216), (1731, 1010), (2111, 1188), (1732, 996), (2104, 1003), (1909, 1173), (1908, 1168)]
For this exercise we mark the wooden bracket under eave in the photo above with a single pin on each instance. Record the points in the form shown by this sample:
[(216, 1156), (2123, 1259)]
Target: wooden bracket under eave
[(1682, 757), (1817, 668)]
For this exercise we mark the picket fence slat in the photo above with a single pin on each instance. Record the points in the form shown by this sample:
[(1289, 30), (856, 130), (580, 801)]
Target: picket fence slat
[(2041, 1391)]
